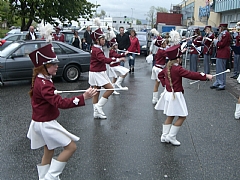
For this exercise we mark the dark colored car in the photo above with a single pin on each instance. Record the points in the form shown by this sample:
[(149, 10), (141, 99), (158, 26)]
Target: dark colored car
[(4, 44), (68, 35), (16, 64), (143, 40)]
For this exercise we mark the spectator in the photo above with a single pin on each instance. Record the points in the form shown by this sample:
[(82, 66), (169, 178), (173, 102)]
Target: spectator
[(76, 41), (88, 38), (31, 35), (84, 44), (134, 48), (58, 36), (123, 41)]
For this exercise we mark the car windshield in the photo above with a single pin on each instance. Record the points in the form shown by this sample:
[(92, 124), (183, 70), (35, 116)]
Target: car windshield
[(142, 37), (9, 49)]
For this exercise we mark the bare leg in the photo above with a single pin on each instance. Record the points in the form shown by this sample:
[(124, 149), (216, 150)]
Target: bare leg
[(156, 86), (169, 120), (108, 93), (238, 100), (179, 121), (68, 151), (47, 156), (124, 75), (95, 98), (114, 80)]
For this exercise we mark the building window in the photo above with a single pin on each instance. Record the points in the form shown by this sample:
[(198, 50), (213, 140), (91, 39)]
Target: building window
[(124, 22), (114, 21), (120, 21)]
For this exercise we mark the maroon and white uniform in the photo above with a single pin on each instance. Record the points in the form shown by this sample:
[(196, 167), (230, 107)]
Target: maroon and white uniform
[(160, 61), (115, 69), (207, 42), (197, 43), (173, 103), (97, 74), (223, 45), (44, 129), (59, 37)]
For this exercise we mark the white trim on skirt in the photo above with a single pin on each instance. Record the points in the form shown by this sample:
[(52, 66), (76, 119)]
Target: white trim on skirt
[(116, 71), (172, 106), (155, 72), (98, 78), (49, 133)]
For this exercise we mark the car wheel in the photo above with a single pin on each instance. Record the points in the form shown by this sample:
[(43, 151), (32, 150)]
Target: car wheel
[(71, 73)]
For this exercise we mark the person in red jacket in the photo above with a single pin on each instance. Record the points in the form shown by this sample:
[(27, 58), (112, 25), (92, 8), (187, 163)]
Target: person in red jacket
[(134, 48), (98, 75), (195, 50), (222, 44), (172, 101), (208, 48), (116, 71), (58, 36), (44, 130), (160, 61)]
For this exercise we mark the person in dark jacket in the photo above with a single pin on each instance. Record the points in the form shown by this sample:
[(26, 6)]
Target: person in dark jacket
[(31, 35), (88, 38), (123, 41)]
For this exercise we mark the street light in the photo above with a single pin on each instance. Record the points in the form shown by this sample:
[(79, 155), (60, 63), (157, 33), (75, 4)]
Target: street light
[(132, 17)]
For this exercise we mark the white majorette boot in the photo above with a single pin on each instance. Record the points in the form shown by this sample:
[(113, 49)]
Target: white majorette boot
[(171, 137), (55, 170), (42, 171), (155, 98), (115, 92), (99, 106), (237, 111), (96, 114), (165, 131), (119, 82)]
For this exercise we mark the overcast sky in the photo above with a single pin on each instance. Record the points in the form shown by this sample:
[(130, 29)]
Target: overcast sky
[(136, 8)]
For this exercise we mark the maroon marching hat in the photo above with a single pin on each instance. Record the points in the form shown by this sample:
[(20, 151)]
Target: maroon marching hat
[(196, 29), (223, 25), (207, 27), (58, 28), (113, 42), (43, 55), (97, 34), (159, 41), (174, 52)]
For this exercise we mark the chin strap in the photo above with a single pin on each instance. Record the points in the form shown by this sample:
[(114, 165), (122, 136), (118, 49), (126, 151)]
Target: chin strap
[(46, 70)]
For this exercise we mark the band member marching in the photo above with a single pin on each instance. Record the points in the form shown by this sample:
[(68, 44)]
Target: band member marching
[(194, 50), (44, 130), (98, 75), (116, 71), (236, 66), (222, 44), (172, 101), (208, 48), (160, 58)]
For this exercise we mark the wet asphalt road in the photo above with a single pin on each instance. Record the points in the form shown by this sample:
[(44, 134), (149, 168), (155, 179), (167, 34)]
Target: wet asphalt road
[(126, 146)]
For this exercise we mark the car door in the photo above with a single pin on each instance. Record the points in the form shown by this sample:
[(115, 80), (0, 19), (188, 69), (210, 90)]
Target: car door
[(19, 64)]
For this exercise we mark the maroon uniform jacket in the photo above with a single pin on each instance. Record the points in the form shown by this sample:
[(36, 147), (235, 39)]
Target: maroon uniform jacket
[(113, 53), (238, 40), (45, 103), (98, 60), (160, 58), (59, 37), (177, 72), (223, 45), (197, 42), (208, 44)]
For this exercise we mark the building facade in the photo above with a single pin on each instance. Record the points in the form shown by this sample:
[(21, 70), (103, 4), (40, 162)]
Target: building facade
[(199, 13), (229, 11)]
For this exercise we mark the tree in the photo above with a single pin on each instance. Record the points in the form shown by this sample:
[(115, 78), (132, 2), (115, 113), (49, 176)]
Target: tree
[(101, 15), (152, 14), (138, 22), (5, 14), (50, 10)]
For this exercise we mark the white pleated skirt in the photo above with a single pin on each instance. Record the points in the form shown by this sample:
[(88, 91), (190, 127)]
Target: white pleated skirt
[(98, 78), (155, 72), (49, 133), (116, 71), (172, 106)]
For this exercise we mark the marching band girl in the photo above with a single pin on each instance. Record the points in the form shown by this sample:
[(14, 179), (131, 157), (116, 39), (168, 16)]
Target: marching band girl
[(44, 130), (117, 72), (208, 48), (160, 58), (97, 75), (172, 101), (194, 51), (236, 66)]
